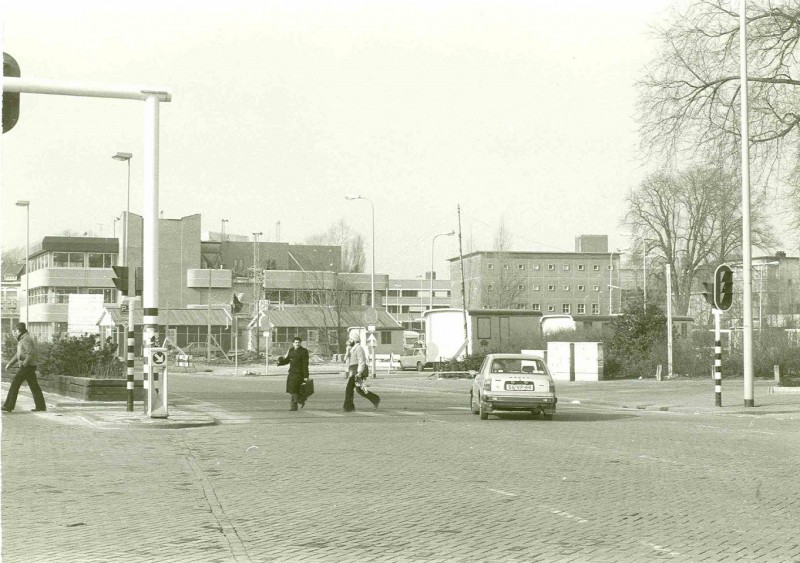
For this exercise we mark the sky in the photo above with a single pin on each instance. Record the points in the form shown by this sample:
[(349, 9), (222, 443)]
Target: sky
[(518, 111)]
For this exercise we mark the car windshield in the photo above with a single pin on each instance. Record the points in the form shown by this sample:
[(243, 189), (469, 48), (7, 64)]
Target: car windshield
[(516, 365)]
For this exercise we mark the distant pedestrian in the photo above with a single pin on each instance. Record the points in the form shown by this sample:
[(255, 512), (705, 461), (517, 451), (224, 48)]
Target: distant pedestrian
[(357, 374), (26, 358), (297, 358)]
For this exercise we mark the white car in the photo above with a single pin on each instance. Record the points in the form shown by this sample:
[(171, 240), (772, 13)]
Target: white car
[(513, 382)]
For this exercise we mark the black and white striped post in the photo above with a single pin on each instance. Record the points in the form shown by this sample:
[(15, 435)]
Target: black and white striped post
[(717, 359), (129, 359)]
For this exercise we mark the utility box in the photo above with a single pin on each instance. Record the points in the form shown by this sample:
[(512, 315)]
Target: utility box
[(156, 382), (575, 361)]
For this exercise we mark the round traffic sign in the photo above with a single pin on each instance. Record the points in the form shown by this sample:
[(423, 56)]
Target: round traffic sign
[(370, 316), (159, 358)]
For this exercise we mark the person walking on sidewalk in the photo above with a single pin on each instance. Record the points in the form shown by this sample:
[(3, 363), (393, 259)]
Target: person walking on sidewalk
[(26, 358), (297, 358), (357, 373)]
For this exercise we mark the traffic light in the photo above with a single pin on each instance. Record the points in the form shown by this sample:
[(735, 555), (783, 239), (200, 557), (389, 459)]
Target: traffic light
[(138, 282), (121, 278), (236, 305), (723, 287), (10, 99), (708, 294)]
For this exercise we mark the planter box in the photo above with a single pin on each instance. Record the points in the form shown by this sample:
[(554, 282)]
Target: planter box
[(85, 388)]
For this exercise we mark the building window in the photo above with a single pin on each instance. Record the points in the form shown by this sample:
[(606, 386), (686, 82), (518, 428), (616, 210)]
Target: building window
[(551, 287), (519, 305), (581, 288), (521, 266), (505, 266), (609, 267), (304, 297), (535, 288), (566, 288), (551, 267), (595, 308), (595, 267), (386, 337), (490, 266), (551, 308), (565, 267), (536, 307), (68, 259), (484, 328), (313, 335), (490, 287), (581, 308), (595, 288), (565, 308), (521, 287), (536, 267), (581, 267)]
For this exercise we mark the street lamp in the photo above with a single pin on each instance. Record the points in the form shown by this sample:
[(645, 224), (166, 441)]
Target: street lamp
[(610, 279), (222, 235), (351, 198), (451, 233), (126, 157), (27, 205)]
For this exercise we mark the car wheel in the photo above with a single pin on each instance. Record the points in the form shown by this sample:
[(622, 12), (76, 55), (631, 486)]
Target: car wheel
[(419, 366), (482, 410), (472, 405)]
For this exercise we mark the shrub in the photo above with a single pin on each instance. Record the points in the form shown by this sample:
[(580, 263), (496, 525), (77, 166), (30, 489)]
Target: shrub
[(80, 356)]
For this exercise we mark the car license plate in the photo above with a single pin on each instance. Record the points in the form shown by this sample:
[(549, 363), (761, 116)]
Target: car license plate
[(519, 386)]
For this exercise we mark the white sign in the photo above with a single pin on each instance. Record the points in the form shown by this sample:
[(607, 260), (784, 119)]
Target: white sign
[(371, 340), (371, 328)]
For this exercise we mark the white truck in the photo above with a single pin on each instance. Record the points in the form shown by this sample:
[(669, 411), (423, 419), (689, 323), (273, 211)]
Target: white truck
[(444, 335)]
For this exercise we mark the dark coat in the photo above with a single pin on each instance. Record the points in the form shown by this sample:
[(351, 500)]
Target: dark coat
[(298, 368)]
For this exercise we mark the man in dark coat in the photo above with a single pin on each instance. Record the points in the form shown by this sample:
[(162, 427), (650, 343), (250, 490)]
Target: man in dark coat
[(297, 358), (26, 357)]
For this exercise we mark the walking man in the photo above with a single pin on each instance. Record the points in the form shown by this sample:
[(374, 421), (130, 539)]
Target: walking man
[(357, 373), (26, 358), (297, 358)]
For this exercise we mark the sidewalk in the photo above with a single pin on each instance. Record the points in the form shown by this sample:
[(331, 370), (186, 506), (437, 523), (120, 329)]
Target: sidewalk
[(105, 414)]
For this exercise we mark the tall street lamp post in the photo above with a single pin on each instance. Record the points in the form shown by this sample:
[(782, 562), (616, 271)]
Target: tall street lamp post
[(451, 233), (644, 268), (27, 205), (126, 157), (372, 206), (115, 226), (222, 234)]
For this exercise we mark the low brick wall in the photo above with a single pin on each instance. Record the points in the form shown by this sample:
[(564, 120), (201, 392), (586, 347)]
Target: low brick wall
[(85, 388)]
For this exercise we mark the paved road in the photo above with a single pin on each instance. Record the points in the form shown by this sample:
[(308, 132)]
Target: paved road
[(421, 479)]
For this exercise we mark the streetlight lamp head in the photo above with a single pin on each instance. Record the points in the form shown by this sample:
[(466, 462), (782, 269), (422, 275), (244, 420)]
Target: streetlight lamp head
[(23, 203), (352, 197), (122, 156)]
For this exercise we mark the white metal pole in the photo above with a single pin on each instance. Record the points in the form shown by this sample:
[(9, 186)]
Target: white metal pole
[(610, 282), (747, 279), (430, 301), (372, 346), (27, 262), (669, 319), (150, 230)]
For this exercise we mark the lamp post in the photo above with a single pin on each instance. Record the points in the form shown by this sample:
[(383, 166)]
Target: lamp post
[(611, 280), (115, 226), (256, 293), (27, 205), (372, 206), (126, 157), (451, 233), (222, 234)]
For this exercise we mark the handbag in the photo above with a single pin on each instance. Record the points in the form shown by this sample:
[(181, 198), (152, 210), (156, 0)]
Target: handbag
[(307, 388)]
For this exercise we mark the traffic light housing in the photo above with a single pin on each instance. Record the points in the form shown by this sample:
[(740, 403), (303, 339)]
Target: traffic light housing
[(138, 282), (708, 294), (723, 287), (121, 278), (236, 305), (10, 99)]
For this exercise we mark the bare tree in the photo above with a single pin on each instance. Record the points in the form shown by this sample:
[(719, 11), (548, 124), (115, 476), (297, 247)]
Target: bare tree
[(505, 280), (351, 242), (14, 255), (692, 221), (689, 97)]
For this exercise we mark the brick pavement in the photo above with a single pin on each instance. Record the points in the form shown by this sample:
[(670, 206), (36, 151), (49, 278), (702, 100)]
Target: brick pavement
[(432, 485)]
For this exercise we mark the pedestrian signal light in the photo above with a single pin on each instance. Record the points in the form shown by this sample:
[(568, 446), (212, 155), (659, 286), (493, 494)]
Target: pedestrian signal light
[(723, 287), (121, 278), (708, 294), (138, 282), (236, 305)]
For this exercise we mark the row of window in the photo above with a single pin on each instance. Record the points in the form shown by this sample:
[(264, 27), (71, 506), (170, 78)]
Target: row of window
[(550, 287), (566, 308), (314, 335), (40, 295), (552, 267), (73, 260)]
